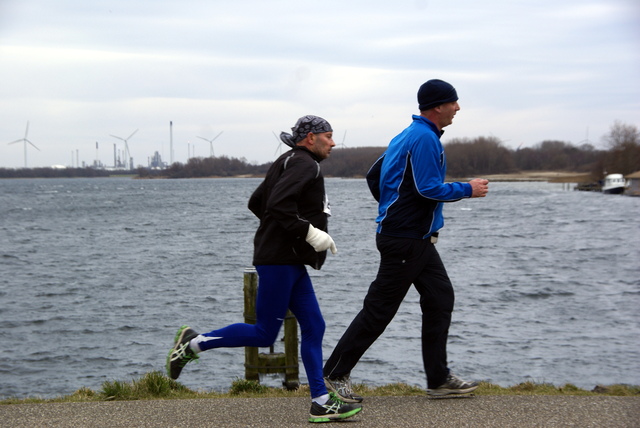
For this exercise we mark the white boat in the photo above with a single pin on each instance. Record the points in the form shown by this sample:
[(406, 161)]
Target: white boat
[(614, 184)]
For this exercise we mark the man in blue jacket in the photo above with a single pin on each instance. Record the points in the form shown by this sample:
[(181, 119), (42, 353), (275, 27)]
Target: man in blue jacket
[(408, 183)]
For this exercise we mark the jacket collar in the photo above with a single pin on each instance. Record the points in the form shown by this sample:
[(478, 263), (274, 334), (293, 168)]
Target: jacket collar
[(428, 123), (313, 155)]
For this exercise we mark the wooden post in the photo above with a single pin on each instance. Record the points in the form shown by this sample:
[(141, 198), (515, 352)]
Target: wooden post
[(250, 294), (273, 362), (291, 370)]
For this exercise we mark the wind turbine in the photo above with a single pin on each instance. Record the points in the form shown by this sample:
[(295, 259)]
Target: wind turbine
[(211, 142), (586, 140), (25, 141), (342, 145), (280, 143), (126, 146)]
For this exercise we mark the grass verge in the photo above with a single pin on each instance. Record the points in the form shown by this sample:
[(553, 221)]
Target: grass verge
[(157, 386)]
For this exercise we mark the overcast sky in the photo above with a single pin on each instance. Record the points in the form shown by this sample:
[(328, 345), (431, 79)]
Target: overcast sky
[(526, 71)]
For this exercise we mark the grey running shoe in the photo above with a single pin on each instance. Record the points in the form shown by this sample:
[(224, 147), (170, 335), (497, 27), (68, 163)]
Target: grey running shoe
[(181, 353), (453, 385), (332, 410), (342, 388)]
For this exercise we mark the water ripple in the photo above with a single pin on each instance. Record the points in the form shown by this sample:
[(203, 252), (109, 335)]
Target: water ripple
[(99, 273)]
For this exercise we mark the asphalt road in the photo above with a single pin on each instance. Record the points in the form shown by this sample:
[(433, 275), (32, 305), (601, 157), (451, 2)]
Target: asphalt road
[(396, 412)]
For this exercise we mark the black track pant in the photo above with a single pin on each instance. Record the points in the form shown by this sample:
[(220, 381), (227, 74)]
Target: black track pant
[(402, 262)]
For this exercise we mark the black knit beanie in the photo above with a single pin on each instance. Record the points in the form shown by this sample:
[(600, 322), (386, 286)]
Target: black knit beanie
[(434, 93)]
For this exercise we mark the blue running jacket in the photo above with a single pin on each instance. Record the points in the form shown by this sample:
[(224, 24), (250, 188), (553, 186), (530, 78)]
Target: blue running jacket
[(408, 183)]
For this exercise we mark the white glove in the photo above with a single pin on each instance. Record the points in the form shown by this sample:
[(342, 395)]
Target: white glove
[(320, 240)]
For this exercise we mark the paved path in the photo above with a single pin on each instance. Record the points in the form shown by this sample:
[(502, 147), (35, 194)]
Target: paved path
[(396, 412)]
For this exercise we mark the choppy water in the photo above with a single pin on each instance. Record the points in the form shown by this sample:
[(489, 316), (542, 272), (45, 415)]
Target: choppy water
[(97, 274)]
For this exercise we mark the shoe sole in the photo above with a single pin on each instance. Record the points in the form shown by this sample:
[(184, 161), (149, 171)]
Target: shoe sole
[(177, 339), (167, 366), (454, 392), (450, 396), (335, 416), (179, 334), (343, 398)]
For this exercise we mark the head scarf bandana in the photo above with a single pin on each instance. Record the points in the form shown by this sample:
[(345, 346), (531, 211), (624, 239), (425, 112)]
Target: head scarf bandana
[(304, 125)]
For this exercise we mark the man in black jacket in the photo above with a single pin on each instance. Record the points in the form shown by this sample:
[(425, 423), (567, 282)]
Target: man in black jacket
[(293, 208)]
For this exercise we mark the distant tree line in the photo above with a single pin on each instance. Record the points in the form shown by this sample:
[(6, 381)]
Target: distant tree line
[(207, 167), (623, 156), (465, 158), (487, 155), (350, 162)]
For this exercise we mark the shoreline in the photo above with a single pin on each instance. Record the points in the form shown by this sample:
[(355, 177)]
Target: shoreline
[(548, 176), (526, 176), (156, 385)]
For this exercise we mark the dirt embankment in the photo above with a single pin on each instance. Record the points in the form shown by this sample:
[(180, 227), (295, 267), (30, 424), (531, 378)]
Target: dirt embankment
[(550, 176)]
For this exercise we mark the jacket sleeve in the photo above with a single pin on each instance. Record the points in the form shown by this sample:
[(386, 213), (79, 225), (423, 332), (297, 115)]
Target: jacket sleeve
[(373, 178), (283, 200), (256, 204), (429, 170)]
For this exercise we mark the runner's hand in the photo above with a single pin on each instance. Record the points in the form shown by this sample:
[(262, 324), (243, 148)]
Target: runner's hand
[(320, 240)]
